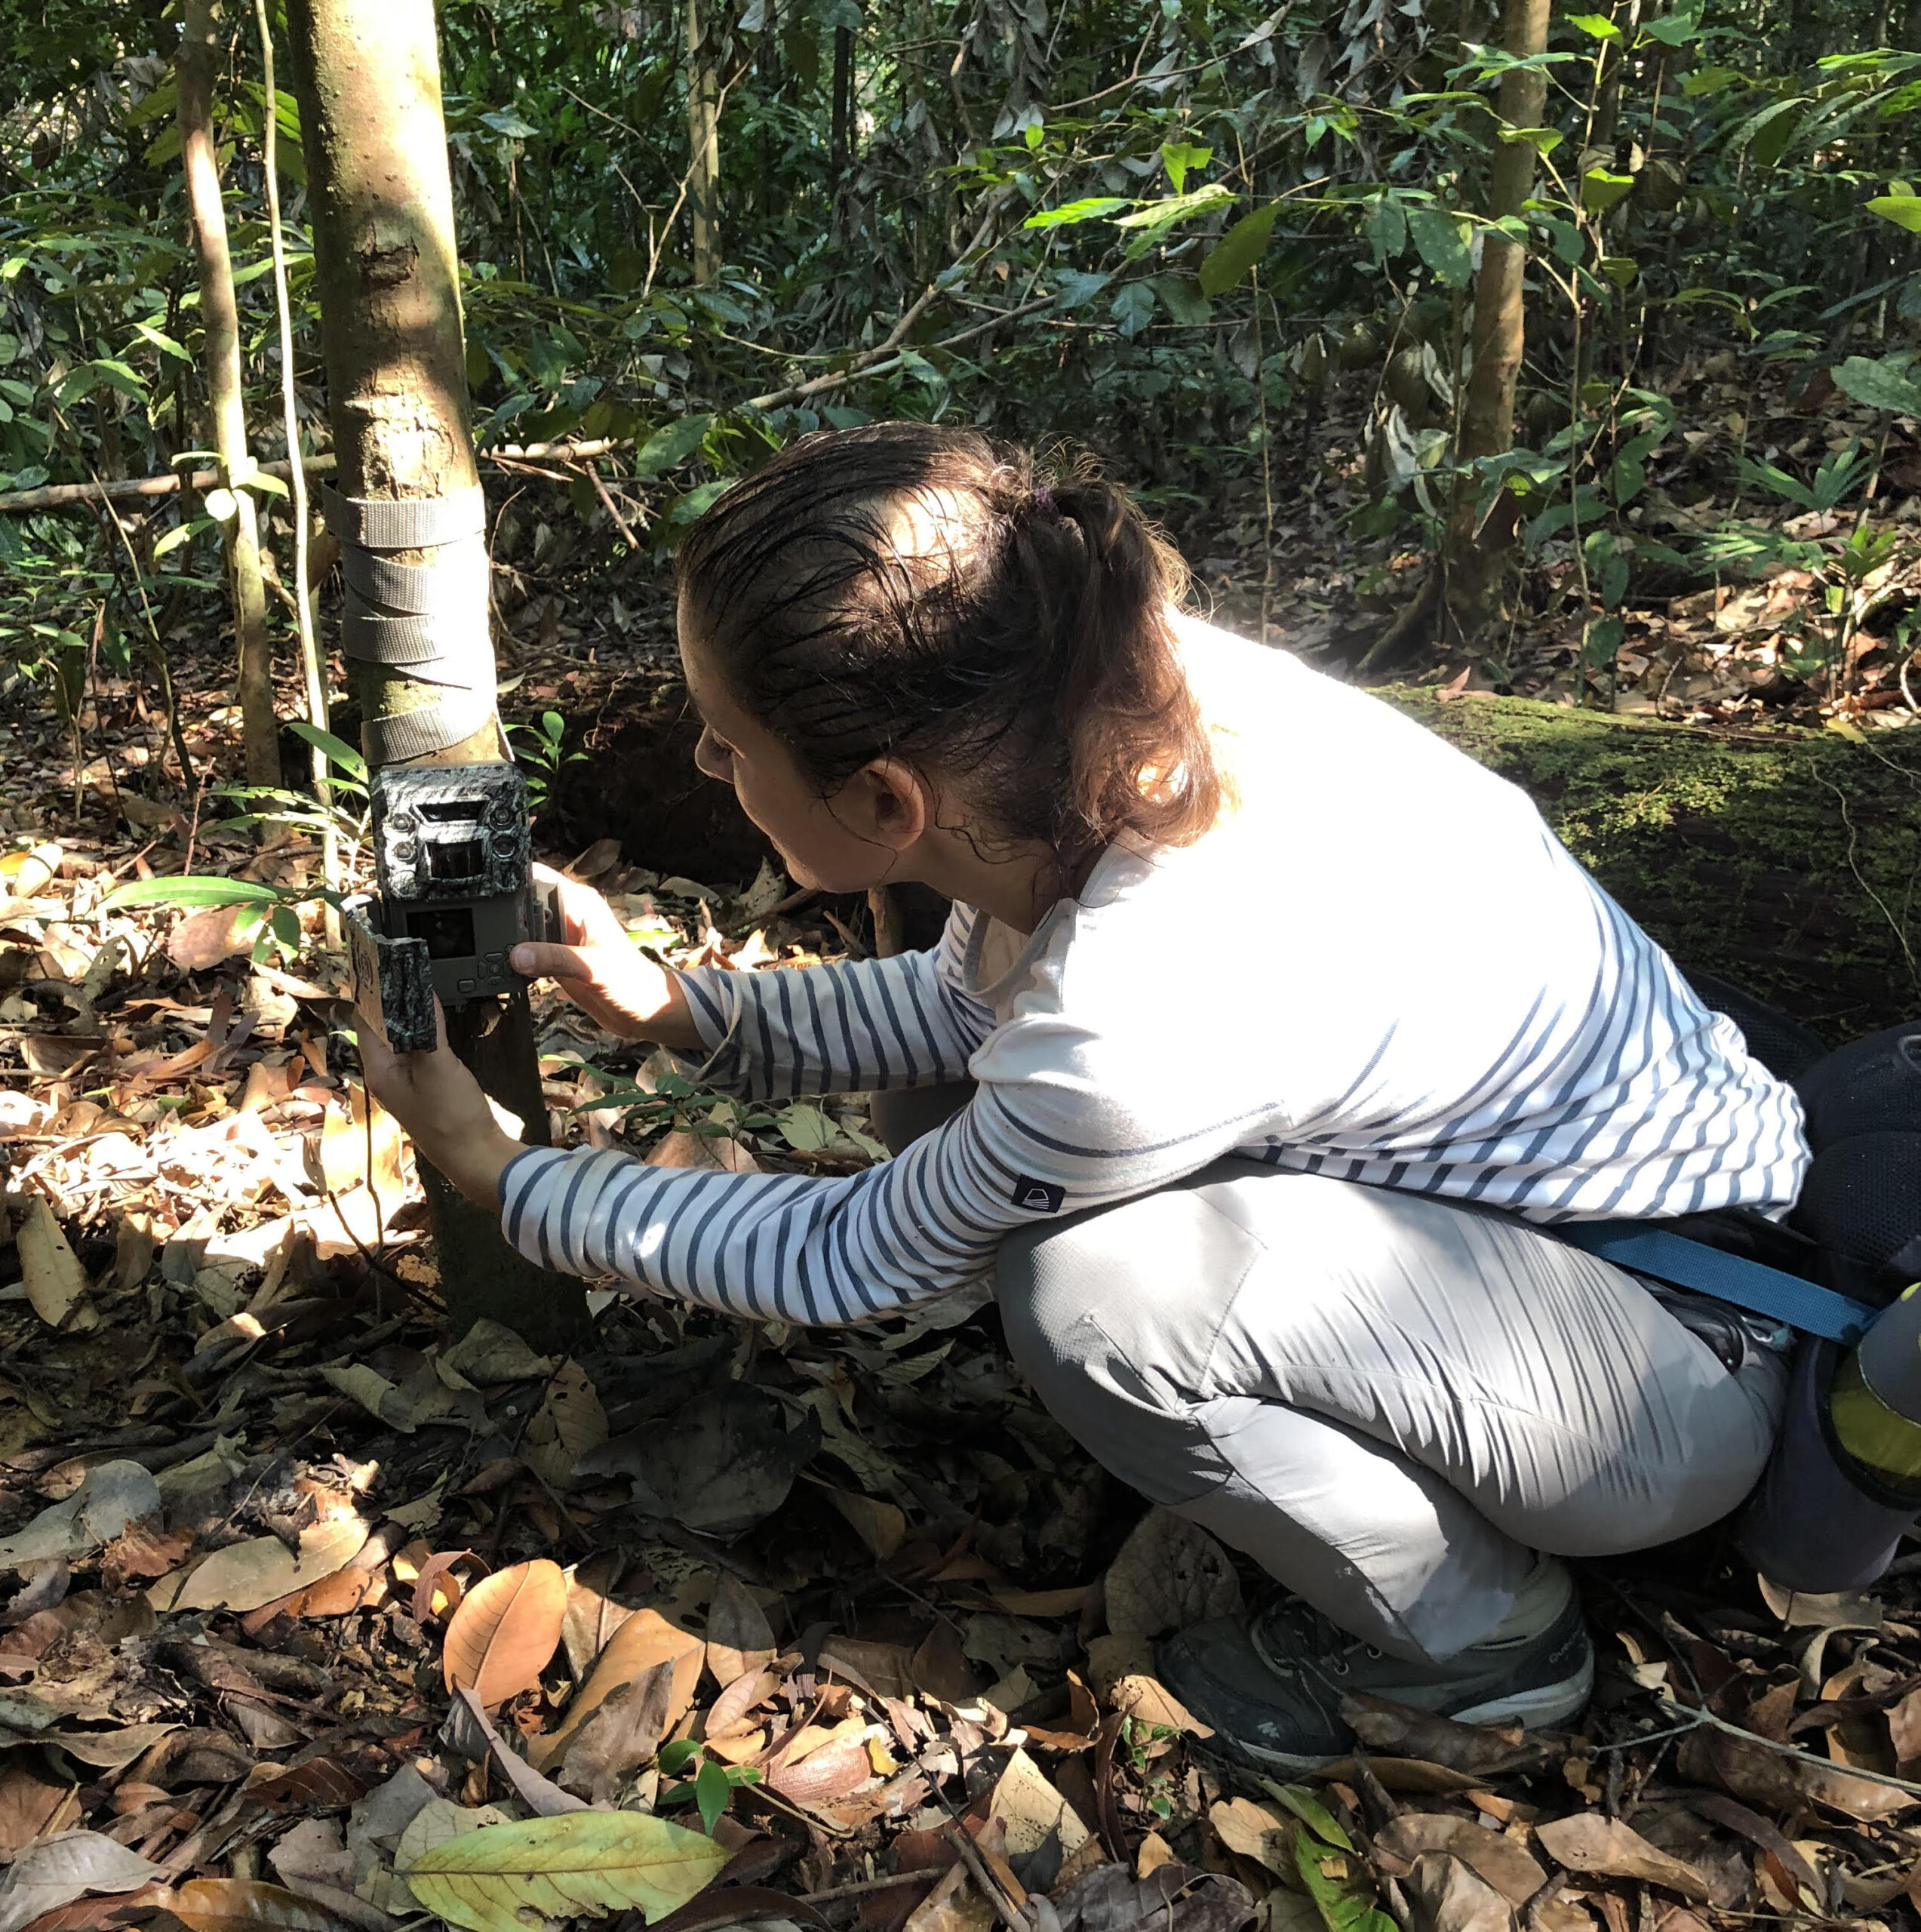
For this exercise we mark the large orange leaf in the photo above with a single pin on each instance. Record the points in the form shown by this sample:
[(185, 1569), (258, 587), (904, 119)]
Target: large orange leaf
[(505, 1631)]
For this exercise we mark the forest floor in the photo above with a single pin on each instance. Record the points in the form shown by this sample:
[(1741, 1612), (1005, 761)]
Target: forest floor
[(280, 1609)]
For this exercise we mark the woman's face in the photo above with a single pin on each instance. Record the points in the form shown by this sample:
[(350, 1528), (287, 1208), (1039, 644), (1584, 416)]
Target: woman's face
[(835, 844)]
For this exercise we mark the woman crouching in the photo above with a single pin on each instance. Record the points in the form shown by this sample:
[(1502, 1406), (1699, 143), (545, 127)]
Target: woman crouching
[(1267, 1039)]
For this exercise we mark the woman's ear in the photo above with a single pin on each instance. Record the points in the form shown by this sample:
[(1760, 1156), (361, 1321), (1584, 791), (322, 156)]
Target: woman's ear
[(886, 803)]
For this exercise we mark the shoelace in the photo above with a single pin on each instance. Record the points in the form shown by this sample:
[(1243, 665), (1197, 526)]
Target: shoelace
[(1304, 1634)]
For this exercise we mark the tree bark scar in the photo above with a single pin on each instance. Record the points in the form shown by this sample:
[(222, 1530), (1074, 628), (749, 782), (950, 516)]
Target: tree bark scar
[(387, 261)]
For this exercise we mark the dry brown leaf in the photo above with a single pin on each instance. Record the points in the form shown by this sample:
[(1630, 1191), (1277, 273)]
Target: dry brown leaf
[(1481, 1749), (954, 1904), (1149, 1701), (1750, 1771), (1154, 1852), (621, 1734), (1722, 1810), (886, 1670), (247, 1905), (591, 1617), (361, 1584), (244, 1576), (33, 1803), (1448, 1895), (1254, 1831), (506, 1629), (739, 1637), (939, 1667), (834, 1771), (437, 1591), (569, 1422), (1036, 1819), (54, 1278), (645, 1639), (1170, 1574), (879, 1525), (204, 938), (1499, 1860), (729, 1709), (716, 1151), (1110, 1659), (1607, 1848)]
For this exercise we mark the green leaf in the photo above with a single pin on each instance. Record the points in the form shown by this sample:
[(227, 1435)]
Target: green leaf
[(697, 501), (192, 889), (675, 1758), (1182, 158), (1312, 1813), (1597, 26), (1092, 208), (1709, 81), (1237, 250), (162, 341), (1441, 242), (1543, 140), (805, 1126), (106, 373), (1904, 210), (1771, 477), (1385, 227), (1133, 308), (1600, 189), (1183, 298), (565, 1867), (1179, 207), (1880, 384), (1073, 288), (1344, 1905), (668, 447), (1676, 30), (712, 1788), (1603, 641), (338, 750)]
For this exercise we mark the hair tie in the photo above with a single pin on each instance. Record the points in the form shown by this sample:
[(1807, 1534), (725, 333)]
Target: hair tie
[(1044, 505)]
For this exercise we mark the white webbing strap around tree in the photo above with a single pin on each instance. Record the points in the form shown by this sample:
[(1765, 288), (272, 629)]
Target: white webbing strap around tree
[(429, 620)]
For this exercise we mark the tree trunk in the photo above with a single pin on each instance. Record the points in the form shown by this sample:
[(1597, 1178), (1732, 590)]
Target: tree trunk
[(220, 314), (366, 74), (704, 148), (840, 138), (1499, 336)]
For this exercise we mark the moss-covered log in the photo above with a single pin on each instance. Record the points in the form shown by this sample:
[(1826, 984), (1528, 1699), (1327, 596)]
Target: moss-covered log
[(1787, 861)]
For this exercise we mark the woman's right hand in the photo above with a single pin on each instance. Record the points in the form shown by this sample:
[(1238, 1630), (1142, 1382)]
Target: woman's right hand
[(605, 974)]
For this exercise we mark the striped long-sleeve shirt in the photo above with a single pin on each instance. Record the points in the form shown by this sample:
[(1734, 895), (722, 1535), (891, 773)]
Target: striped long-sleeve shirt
[(1380, 965)]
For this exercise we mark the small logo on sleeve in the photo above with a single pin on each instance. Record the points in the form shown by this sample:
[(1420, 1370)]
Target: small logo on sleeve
[(1038, 1197)]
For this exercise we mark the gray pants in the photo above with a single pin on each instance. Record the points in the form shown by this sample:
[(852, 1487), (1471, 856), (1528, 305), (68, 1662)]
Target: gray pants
[(1390, 1402)]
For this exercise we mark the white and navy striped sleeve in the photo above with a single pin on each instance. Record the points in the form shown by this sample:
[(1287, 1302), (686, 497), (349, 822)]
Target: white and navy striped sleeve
[(847, 1028), (802, 1249)]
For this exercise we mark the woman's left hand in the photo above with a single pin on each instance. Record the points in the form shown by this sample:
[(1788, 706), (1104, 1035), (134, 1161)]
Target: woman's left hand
[(440, 1104)]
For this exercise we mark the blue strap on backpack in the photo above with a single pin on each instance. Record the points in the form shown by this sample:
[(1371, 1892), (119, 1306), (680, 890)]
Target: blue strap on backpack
[(1646, 1249)]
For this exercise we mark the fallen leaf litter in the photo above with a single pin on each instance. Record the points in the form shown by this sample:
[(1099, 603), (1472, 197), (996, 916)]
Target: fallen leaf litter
[(313, 1616)]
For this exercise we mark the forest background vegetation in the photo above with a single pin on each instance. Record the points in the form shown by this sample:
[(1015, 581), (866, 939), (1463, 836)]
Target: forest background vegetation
[(1451, 299)]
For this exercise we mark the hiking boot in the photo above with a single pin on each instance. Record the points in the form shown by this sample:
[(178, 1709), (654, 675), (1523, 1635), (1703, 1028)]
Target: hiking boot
[(1271, 1686)]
